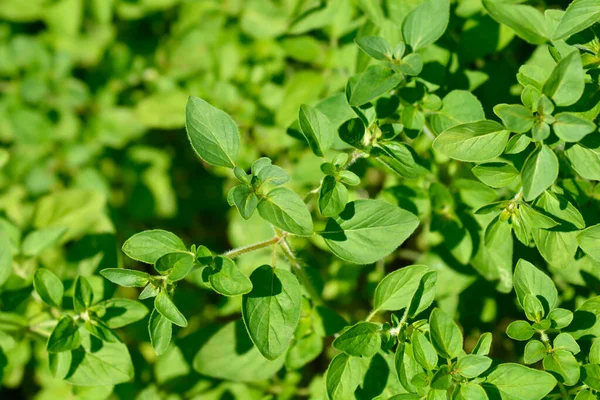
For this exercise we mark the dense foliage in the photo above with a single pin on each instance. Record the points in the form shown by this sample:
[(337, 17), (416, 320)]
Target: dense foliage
[(344, 199)]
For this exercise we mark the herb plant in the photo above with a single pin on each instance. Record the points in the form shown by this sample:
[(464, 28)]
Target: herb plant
[(399, 229)]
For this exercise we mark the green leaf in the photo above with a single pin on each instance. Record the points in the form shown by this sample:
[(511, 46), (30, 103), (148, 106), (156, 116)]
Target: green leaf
[(527, 22), (228, 353), (272, 175), (83, 295), (95, 363), (271, 311), (585, 395), (520, 330), (533, 307), (591, 375), (458, 107), (227, 279), (396, 290), (6, 258), (566, 83), (149, 246), (426, 23), (401, 158), (539, 172), (165, 306), (116, 313), (586, 162), (333, 197), (424, 295), (149, 291), (353, 133), (49, 287), (411, 65), (483, 345), (588, 240), (342, 377), (126, 277), (375, 46), (41, 239), (375, 81), (514, 381), (530, 280), (445, 334), (176, 265), (286, 210), (564, 364), (580, 15), (423, 351), (212, 133), (160, 330), (535, 219), (471, 391), (471, 366), (517, 144), (244, 199), (560, 318), (515, 117), (571, 127), (64, 337), (317, 129), (360, 340), (534, 352), (368, 230), (474, 141), (496, 175), (565, 341), (101, 331)]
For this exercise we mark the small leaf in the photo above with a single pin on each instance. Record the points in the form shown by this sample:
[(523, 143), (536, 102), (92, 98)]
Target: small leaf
[(484, 344), (271, 311), (126, 277), (48, 286), (212, 133), (396, 289), (563, 364), (64, 337), (149, 246), (360, 340), (515, 117), (588, 240), (176, 265), (539, 172), (560, 318), (474, 141), (426, 23), (342, 377), (530, 280), (165, 306), (534, 218), (471, 366), (580, 15), (534, 352), (244, 199), (496, 175), (571, 127), (160, 330), (411, 65), (333, 197), (317, 129), (514, 381), (227, 279), (286, 210), (375, 46), (566, 83), (423, 351), (527, 22), (83, 295), (565, 341), (39, 240), (375, 81), (520, 330), (368, 230), (445, 334), (116, 313)]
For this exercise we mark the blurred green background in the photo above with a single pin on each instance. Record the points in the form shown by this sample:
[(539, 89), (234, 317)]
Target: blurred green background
[(92, 112)]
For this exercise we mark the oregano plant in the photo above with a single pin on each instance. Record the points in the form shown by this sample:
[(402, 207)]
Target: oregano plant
[(348, 200)]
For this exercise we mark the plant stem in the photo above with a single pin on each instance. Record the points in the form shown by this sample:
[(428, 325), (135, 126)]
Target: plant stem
[(252, 247), (300, 272)]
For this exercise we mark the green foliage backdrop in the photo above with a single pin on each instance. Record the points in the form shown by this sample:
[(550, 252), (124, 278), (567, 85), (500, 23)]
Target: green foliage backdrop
[(341, 199)]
